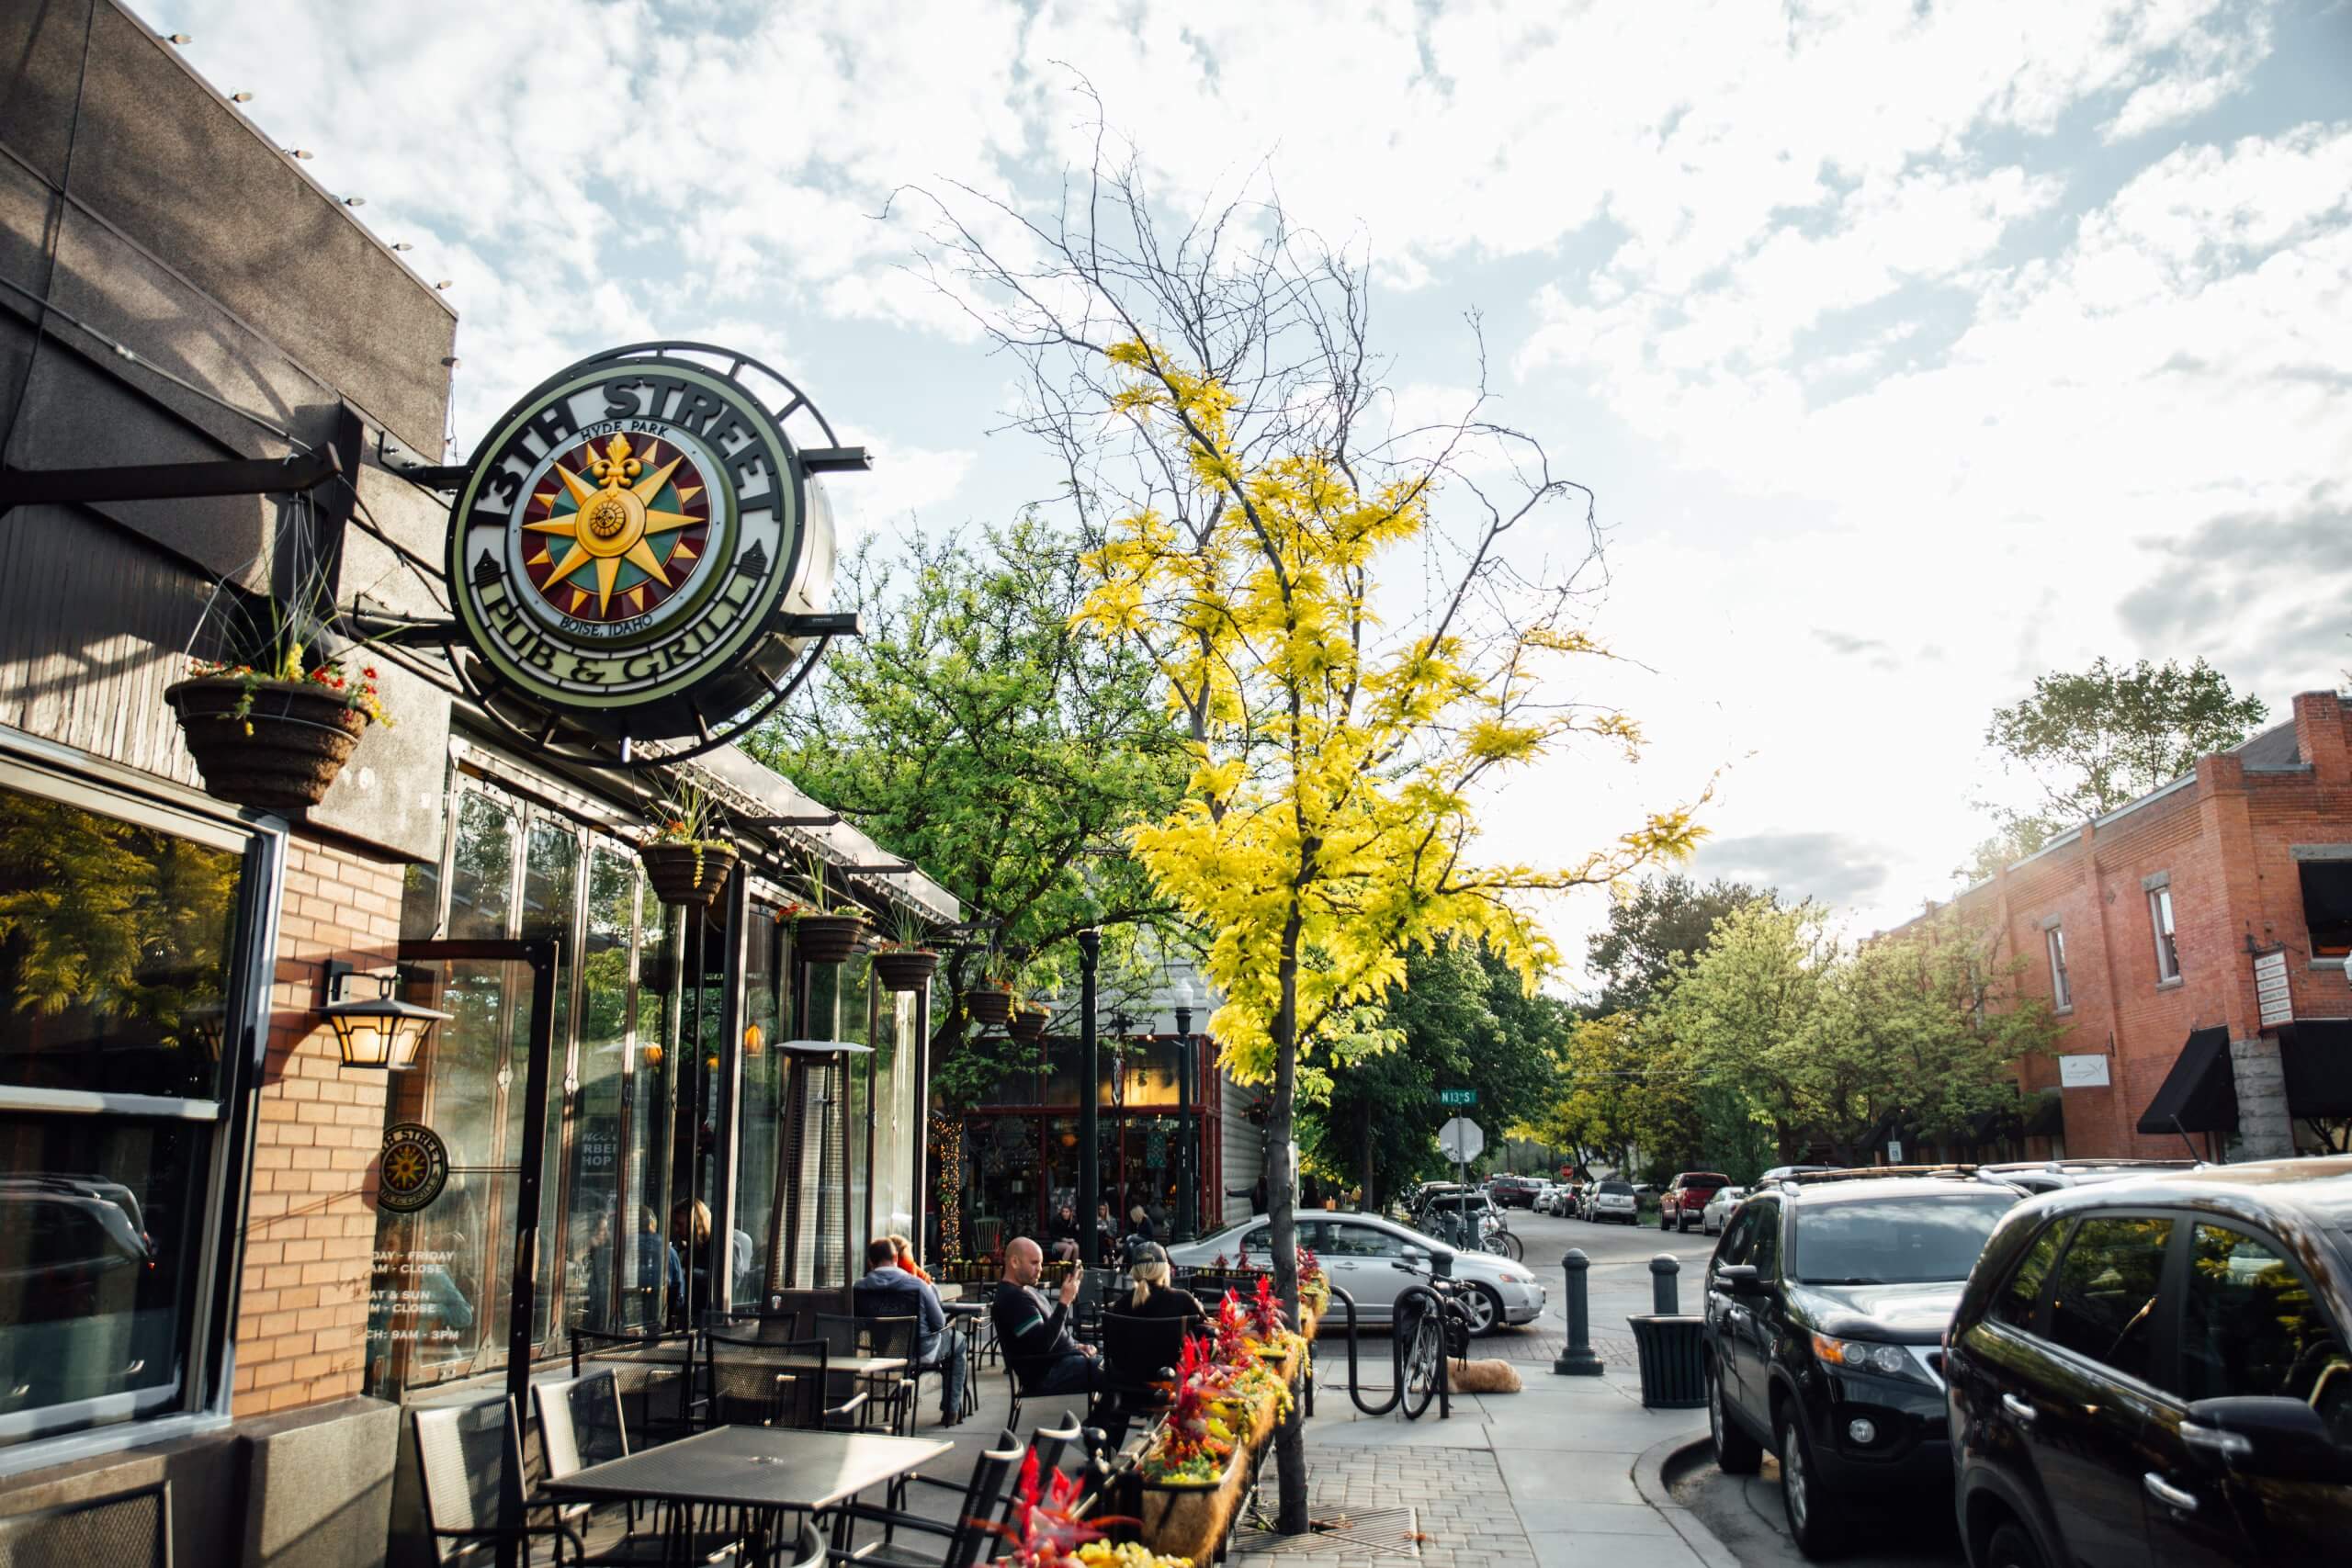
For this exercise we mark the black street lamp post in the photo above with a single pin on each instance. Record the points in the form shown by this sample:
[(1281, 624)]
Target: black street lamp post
[(1089, 1072)]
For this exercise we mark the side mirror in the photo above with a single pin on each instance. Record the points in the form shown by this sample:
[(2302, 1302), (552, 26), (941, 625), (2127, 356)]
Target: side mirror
[(2273, 1437), (1740, 1279)]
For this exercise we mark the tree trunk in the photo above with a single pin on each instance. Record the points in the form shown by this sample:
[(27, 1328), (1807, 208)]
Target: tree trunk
[(1289, 1437)]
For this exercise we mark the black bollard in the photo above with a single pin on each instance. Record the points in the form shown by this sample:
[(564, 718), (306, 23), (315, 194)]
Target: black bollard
[(1665, 1294), (1578, 1360)]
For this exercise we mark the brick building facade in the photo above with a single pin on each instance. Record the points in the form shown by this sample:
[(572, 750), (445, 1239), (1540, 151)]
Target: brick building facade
[(2249, 860)]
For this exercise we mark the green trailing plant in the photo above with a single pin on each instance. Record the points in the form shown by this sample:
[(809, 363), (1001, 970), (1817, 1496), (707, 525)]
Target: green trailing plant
[(260, 639), (689, 819), (908, 934)]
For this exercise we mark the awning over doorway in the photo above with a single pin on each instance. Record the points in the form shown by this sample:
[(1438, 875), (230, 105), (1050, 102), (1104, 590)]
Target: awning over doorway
[(2200, 1093), (2316, 1053)]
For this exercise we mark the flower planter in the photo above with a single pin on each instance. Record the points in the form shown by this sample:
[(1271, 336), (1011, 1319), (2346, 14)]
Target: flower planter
[(1189, 1518), (1024, 1025), (906, 968), (685, 877), (827, 938), (281, 754), (988, 1004)]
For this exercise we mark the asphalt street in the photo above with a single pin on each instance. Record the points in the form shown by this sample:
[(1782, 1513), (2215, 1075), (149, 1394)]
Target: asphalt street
[(1619, 1279)]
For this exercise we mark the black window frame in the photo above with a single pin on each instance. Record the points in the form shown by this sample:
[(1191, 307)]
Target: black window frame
[(2163, 1344), (86, 1429)]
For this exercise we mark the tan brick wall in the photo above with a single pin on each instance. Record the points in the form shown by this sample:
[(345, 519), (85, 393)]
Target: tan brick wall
[(302, 1319)]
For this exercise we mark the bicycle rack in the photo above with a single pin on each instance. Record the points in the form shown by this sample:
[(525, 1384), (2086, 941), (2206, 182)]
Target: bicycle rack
[(1398, 1344)]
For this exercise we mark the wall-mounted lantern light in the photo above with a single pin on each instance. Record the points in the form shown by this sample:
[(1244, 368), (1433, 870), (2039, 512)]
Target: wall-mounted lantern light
[(375, 1029)]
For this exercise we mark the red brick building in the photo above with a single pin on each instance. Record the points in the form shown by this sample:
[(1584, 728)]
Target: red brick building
[(2194, 944)]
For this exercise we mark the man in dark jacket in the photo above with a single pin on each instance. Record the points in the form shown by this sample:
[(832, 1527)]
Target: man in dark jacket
[(888, 1290), (1034, 1334)]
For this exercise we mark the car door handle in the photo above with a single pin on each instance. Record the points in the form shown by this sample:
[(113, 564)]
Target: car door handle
[(2171, 1496), (2018, 1408)]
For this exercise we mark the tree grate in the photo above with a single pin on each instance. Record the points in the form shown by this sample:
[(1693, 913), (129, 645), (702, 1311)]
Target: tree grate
[(1373, 1532)]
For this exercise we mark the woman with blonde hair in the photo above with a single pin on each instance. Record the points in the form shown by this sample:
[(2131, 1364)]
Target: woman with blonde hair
[(1154, 1295), (907, 1264)]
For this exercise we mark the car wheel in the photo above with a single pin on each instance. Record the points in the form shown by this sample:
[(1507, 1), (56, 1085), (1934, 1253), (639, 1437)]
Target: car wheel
[(1485, 1308), (1812, 1525), (1682, 1221), (1736, 1454), (1662, 1219), (2010, 1547)]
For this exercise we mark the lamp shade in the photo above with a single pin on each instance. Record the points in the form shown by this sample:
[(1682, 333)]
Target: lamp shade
[(377, 1032)]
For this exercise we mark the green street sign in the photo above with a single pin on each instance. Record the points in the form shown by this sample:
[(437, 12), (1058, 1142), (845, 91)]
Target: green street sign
[(1457, 1096)]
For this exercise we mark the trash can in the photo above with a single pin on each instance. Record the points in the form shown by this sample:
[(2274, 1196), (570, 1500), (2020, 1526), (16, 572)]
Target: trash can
[(1674, 1372)]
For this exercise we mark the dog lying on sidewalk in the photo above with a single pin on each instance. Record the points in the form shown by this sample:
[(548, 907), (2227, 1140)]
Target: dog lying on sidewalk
[(1492, 1376)]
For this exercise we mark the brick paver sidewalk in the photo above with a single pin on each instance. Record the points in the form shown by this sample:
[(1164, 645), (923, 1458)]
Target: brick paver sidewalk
[(1385, 1505)]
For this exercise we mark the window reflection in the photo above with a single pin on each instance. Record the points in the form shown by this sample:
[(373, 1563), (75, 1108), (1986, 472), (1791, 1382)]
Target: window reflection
[(114, 942)]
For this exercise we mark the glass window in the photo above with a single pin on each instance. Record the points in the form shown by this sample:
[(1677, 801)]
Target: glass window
[(1738, 1238), (2103, 1302), (599, 1274), (2328, 905), (2160, 922), (2062, 988), (1893, 1241), (2250, 1326), (758, 1128), (1764, 1251), (117, 946), (1344, 1240), (2018, 1302), (482, 874)]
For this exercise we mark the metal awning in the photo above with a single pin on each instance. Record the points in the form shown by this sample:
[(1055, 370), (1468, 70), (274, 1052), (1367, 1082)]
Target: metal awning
[(2316, 1055), (2200, 1093)]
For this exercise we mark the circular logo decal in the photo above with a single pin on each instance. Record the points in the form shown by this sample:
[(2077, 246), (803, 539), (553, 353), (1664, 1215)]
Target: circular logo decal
[(623, 541), (414, 1168)]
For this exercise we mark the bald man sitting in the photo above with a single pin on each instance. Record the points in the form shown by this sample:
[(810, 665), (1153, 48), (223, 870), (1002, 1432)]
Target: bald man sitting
[(1033, 1334)]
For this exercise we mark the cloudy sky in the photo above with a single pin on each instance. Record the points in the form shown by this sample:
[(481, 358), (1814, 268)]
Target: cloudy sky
[(1912, 349)]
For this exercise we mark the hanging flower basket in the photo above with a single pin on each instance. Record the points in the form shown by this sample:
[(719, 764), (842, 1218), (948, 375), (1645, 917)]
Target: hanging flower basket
[(988, 1004), (906, 968), (827, 938), (687, 876), (274, 745), (1025, 1024)]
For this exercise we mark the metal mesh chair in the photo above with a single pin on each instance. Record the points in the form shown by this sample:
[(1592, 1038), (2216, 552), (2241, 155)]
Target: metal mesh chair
[(754, 1381), (580, 1425), (663, 1399), (896, 1393), (1140, 1356), (124, 1531), (963, 1539), (462, 1453)]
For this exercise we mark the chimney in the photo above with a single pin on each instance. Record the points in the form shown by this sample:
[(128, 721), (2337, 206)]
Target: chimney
[(2319, 734)]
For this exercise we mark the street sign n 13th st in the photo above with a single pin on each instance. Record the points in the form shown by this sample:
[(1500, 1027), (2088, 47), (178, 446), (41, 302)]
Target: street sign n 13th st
[(1457, 1096)]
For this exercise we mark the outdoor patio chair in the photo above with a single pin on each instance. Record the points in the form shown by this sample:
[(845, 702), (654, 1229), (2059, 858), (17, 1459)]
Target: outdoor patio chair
[(899, 1393), (1049, 1443), (462, 1452), (963, 1540), (665, 1397), (580, 1425), (744, 1384), (1141, 1355), (131, 1529)]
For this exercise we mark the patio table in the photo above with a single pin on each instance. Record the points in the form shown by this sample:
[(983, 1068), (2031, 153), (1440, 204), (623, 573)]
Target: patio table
[(764, 1470)]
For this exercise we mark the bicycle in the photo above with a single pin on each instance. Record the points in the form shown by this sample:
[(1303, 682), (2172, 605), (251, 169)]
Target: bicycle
[(1435, 1336), (1498, 1239)]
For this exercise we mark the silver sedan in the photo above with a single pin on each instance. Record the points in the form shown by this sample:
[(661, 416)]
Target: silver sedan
[(1373, 1258)]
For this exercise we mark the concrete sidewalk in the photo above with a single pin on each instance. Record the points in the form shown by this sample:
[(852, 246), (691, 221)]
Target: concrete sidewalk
[(1546, 1476)]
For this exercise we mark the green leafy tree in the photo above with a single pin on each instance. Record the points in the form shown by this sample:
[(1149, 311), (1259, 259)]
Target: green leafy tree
[(2096, 740), (976, 731), (1656, 921)]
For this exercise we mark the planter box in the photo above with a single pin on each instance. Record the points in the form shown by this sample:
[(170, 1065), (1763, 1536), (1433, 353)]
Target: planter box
[(988, 1004), (1191, 1519), (281, 754), (906, 968)]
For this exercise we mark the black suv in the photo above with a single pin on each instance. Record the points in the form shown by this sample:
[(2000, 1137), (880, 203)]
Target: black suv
[(1827, 1302), (2157, 1372)]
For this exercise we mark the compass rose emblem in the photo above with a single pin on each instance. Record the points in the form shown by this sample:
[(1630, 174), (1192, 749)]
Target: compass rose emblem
[(618, 547)]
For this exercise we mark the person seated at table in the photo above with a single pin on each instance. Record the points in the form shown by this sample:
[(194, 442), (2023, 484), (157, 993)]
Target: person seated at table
[(1153, 1296), (888, 1290), (1036, 1336), (906, 1250)]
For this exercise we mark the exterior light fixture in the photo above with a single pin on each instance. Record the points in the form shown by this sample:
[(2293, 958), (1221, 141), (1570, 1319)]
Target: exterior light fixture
[(402, 245), (445, 282), (355, 202), (303, 152), (180, 37), (241, 97), (377, 1032), (754, 1042)]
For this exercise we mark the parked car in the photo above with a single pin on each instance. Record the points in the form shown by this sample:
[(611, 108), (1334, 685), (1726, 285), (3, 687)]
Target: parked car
[(1781, 1172), (1514, 1192), (1612, 1200), (1825, 1305), (1373, 1258), (2157, 1372), (1719, 1208), (1554, 1198), (1680, 1206), (2048, 1175)]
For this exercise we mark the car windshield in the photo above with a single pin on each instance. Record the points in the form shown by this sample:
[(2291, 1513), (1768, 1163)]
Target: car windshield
[(1895, 1241), (1617, 1188)]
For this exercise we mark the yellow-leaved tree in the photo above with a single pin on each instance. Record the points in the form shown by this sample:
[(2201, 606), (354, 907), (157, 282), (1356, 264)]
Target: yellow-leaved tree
[(1356, 640)]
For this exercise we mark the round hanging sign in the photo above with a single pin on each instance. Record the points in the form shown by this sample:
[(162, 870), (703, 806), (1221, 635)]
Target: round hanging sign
[(415, 1167), (625, 539)]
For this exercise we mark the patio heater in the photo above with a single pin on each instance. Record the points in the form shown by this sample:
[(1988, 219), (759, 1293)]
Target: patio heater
[(1090, 1074), (1187, 1200)]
